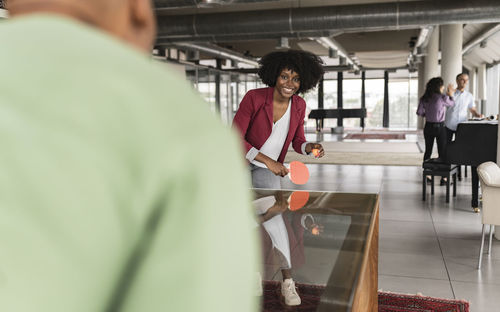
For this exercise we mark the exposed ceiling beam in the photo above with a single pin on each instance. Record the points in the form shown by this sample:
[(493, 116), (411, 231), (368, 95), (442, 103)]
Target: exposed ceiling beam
[(483, 36)]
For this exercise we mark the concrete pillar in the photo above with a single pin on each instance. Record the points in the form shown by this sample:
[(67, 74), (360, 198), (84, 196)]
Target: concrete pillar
[(473, 83), (498, 163), (481, 87), (451, 52), (431, 60), (497, 228)]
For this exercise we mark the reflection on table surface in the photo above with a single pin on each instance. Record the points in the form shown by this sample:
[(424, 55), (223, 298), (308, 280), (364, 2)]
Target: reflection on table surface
[(318, 236)]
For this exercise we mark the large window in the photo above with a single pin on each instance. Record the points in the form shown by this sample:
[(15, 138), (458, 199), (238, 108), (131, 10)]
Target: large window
[(351, 99), (311, 99), (403, 103), (402, 97), (374, 99), (233, 87)]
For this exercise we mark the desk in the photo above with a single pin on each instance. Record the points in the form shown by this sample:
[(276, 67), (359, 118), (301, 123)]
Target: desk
[(344, 256)]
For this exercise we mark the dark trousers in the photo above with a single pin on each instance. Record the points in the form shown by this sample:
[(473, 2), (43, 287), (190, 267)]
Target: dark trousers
[(435, 130)]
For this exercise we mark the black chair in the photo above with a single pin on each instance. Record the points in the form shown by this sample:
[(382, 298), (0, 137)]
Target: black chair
[(437, 167)]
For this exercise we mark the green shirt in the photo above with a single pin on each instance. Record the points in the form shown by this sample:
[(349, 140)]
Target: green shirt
[(119, 191)]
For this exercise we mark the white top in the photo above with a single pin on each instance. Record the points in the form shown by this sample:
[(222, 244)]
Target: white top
[(458, 113), (274, 143)]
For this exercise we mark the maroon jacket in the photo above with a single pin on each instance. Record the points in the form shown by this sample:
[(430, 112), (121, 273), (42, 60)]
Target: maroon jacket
[(254, 120)]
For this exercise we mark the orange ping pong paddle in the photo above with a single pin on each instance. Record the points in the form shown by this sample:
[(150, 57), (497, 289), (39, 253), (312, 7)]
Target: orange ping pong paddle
[(297, 200), (298, 172)]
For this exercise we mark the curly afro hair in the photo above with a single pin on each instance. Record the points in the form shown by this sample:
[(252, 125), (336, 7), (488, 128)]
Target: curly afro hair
[(307, 65)]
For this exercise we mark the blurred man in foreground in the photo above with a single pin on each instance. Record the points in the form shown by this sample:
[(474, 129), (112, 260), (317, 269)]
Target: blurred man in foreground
[(109, 199)]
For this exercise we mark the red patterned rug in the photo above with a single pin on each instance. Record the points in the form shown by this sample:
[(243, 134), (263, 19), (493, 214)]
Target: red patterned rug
[(375, 136), (387, 302)]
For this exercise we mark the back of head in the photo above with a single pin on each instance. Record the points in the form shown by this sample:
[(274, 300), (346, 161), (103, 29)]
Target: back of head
[(130, 20), (433, 87), (307, 65)]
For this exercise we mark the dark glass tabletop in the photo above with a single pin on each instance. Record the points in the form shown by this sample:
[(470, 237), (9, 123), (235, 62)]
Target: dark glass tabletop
[(317, 237)]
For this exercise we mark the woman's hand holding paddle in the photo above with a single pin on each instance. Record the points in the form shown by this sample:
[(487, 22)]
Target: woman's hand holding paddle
[(277, 168)]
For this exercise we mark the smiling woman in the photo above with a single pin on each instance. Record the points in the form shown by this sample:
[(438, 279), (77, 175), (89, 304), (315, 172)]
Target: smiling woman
[(271, 118)]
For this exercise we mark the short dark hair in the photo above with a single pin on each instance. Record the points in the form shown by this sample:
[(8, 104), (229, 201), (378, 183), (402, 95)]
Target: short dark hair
[(461, 74), (307, 65)]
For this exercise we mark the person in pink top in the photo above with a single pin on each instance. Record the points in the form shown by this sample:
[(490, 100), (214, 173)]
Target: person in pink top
[(433, 106)]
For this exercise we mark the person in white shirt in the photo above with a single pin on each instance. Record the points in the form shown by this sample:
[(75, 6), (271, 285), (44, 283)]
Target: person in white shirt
[(464, 102)]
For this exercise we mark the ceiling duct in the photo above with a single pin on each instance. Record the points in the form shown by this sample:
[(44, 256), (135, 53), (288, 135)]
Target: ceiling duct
[(183, 4), (348, 18)]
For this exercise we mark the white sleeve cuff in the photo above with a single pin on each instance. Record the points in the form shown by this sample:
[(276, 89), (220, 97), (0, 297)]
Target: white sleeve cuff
[(303, 219), (303, 148), (252, 153)]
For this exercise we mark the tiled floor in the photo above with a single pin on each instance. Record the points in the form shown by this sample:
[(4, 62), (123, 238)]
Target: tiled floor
[(426, 247)]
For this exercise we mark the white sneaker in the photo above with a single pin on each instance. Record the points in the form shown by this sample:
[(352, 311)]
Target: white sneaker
[(289, 292)]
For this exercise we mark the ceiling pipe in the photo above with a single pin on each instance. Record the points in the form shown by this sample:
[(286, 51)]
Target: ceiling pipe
[(219, 52), (162, 40), (415, 55), (362, 17), (480, 38), (185, 4), (330, 43), (424, 36)]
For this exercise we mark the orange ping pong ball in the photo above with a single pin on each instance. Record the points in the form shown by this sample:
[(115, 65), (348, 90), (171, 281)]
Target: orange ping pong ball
[(315, 231), (315, 152)]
